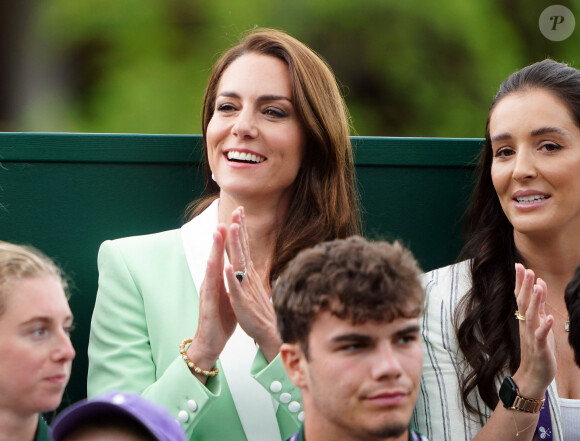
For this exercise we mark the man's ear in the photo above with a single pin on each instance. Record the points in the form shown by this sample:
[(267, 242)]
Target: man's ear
[(295, 362)]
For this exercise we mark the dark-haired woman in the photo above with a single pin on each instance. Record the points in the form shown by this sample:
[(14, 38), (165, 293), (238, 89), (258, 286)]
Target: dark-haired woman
[(498, 365), (276, 142)]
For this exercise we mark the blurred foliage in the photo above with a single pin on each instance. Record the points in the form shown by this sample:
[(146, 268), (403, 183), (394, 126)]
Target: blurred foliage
[(412, 68)]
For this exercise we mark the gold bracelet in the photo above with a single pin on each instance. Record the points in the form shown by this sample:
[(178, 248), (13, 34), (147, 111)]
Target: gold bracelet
[(191, 365), (518, 431)]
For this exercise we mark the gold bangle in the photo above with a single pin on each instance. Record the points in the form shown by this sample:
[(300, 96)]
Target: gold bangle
[(191, 365)]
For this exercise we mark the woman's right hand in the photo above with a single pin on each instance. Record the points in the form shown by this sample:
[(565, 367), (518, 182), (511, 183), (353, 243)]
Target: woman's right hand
[(538, 362), (250, 298), (217, 320)]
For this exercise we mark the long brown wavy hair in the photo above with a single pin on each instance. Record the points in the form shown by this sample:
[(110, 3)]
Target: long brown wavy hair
[(324, 204), (486, 330)]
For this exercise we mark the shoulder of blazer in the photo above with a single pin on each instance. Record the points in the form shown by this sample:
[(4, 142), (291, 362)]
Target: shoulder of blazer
[(147, 243)]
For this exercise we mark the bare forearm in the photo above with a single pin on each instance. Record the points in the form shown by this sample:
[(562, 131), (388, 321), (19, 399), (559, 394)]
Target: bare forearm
[(507, 425)]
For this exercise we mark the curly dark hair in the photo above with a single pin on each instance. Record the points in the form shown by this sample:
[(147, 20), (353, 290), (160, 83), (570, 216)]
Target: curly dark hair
[(572, 297), (352, 279), (487, 334), (324, 204)]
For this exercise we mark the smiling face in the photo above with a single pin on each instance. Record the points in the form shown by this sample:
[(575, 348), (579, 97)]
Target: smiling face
[(359, 381), (536, 163), (254, 139), (34, 342)]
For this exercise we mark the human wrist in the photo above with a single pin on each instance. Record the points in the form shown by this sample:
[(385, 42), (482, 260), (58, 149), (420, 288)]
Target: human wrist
[(529, 386), (512, 398), (199, 355), (270, 345)]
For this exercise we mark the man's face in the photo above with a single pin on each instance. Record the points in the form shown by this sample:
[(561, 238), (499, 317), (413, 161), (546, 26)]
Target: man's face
[(360, 381)]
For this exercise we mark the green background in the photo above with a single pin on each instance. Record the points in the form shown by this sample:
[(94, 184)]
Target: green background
[(407, 68)]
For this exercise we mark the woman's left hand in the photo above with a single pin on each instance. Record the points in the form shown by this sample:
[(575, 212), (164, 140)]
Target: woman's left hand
[(538, 362), (250, 299)]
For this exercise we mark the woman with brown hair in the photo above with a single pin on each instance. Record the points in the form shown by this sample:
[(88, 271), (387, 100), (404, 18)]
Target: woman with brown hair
[(35, 347), (498, 366), (279, 178)]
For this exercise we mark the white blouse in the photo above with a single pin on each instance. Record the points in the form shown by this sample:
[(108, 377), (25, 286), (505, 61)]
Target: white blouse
[(570, 419)]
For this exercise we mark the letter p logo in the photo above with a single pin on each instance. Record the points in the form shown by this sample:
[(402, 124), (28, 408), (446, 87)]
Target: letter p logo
[(557, 19), (557, 22)]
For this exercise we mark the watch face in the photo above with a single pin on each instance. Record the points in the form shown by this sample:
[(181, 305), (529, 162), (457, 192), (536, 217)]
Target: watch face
[(508, 392)]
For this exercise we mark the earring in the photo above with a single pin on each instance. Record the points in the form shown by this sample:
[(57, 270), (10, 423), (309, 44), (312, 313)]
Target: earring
[(213, 177)]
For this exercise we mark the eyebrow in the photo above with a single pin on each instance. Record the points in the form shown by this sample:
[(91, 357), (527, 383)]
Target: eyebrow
[(546, 130), (412, 329), (260, 98), (537, 132), (351, 337), (44, 319), (409, 330)]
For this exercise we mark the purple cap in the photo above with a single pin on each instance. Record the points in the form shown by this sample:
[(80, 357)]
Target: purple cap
[(151, 416)]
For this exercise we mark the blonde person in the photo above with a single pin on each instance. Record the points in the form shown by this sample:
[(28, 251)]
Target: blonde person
[(36, 352), (280, 177), (498, 365)]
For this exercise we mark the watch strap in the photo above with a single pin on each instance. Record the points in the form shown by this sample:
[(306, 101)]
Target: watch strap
[(525, 404), (512, 399)]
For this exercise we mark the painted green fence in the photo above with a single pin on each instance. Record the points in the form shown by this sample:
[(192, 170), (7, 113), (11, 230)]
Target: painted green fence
[(66, 193)]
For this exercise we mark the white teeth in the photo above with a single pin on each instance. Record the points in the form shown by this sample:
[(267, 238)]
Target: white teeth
[(243, 156), (528, 199)]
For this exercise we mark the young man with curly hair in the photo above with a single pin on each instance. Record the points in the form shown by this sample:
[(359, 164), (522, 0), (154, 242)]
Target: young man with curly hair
[(348, 313)]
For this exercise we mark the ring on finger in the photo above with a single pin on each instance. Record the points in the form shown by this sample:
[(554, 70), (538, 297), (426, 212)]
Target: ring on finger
[(240, 275), (519, 316)]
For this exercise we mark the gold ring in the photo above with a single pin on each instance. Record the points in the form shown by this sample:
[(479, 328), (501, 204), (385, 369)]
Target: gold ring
[(519, 316)]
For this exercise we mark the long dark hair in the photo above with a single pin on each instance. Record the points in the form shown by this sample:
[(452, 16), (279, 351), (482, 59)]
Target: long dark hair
[(486, 330), (572, 298), (324, 204)]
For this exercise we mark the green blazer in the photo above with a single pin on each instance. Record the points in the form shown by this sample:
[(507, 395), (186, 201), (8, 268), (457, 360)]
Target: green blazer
[(146, 304)]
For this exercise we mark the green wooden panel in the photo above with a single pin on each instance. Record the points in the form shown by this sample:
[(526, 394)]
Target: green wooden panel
[(66, 193)]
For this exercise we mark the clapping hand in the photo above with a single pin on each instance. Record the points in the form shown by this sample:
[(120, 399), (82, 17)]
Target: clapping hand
[(250, 297), (538, 362), (246, 300)]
